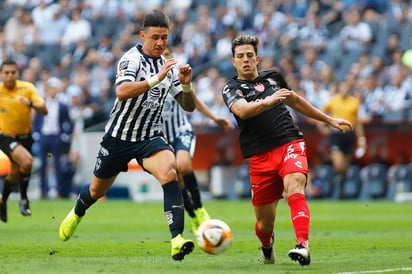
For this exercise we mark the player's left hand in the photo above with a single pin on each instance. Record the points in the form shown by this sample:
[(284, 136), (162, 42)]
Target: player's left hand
[(25, 101), (226, 123), (185, 74), (340, 124)]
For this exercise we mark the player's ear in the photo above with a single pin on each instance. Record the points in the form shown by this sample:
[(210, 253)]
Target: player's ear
[(257, 59), (142, 34)]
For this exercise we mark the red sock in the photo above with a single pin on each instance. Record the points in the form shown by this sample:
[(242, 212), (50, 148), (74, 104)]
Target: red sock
[(300, 215), (265, 239)]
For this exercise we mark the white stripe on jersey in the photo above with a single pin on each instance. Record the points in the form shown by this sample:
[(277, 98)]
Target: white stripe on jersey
[(174, 118), (140, 118)]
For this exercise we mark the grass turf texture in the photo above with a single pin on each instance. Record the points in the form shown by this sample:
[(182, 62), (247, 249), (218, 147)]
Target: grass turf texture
[(119, 236)]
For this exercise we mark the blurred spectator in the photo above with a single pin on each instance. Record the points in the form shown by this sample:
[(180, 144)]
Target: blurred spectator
[(354, 39), (311, 58), (52, 133), (372, 99), (49, 48), (77, 29), (42, 12), (314, 34), (328, 79), (318, 95), (267, 25), (6, 50), (397, 93), (287, 40), (224, 50), (13, 29)]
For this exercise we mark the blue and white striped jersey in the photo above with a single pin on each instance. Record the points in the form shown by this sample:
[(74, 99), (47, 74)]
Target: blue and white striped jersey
[(175, 119), (140, 118)]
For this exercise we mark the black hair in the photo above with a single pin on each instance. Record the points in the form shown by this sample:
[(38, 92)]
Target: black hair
[(156, 18), (245, 40), (7, 62)]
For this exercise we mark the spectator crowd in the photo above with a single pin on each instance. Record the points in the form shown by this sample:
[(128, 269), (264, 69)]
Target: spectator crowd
[(316, 44)]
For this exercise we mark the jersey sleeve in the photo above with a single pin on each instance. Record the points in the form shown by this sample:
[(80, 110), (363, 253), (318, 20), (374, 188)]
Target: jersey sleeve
[(176, 87), (231, 93), (127, 68)]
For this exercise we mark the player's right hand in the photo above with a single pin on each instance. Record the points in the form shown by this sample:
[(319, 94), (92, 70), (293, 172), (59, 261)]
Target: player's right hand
[(170, 64)]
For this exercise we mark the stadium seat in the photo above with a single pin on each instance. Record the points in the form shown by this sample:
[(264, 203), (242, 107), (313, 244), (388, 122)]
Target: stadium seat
[(323, 178), (352, 185), (399, 179), (374, 181)]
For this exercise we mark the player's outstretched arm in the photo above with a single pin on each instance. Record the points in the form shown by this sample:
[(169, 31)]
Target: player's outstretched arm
[(301, 105), (204, 109)]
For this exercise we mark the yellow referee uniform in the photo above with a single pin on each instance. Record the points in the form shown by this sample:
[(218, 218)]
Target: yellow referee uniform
[(15, 117), (343, 107)]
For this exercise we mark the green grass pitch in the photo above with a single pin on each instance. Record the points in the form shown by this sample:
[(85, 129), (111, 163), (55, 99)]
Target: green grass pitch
[(119, 236)]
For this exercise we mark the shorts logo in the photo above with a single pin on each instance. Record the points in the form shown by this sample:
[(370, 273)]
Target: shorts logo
[(98, 164), (298, 164), (13, 145), (103, 151)]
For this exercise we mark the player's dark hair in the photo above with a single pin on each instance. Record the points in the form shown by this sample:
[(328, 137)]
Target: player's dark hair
[(156, 18), (7, 62), (245, 40)]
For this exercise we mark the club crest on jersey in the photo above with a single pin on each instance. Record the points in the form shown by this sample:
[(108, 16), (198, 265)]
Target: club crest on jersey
[(123, 65), (239, 92), (260, 87)]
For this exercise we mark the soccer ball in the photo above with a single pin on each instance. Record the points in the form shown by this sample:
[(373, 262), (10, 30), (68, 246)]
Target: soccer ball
[(214, 236)]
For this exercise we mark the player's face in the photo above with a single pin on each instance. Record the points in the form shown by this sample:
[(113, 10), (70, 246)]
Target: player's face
[(9, 75), (154, 40), (245, 61)]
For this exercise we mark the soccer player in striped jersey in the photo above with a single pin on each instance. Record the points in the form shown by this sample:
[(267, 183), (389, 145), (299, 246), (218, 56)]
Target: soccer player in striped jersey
[(179, 133), (135, 129)]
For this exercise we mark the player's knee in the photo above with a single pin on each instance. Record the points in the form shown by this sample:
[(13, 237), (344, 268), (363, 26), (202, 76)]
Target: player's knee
[(167, 176), (26, 165), (295, 183)]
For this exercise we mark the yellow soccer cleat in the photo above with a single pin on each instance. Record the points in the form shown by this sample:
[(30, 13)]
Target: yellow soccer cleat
[(68, 226), (201, 215), (181, 247), (195, 224)]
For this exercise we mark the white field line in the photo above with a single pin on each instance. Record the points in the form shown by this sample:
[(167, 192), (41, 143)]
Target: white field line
[(378, 271)]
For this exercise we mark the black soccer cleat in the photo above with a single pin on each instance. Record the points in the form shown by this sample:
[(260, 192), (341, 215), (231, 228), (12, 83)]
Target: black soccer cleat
[(24, 207), (3, 211), (300, 254)]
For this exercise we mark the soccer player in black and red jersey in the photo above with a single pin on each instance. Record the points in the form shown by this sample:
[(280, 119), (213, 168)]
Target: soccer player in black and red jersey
[(274, 144)]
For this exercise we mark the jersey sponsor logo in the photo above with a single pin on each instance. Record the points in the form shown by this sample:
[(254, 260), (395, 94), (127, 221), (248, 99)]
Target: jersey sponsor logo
[(152, 101)]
